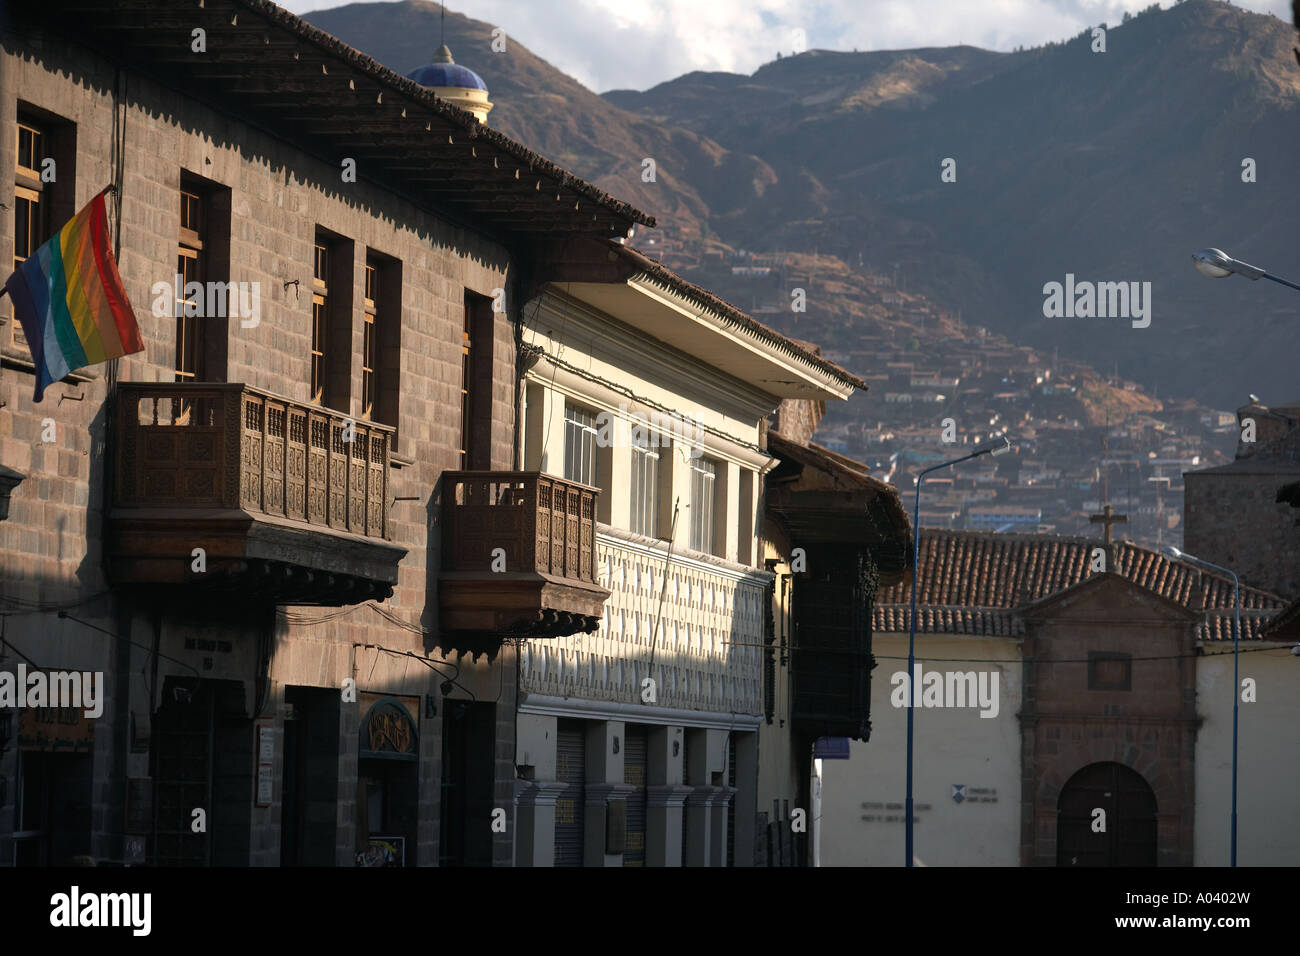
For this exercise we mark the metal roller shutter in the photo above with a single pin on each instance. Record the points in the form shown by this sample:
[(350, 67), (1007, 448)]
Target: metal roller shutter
[(570, 768), (635, 758), (686, 782), (731, 801)]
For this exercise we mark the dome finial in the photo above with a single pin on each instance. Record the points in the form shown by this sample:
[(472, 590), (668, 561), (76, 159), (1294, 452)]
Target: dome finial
[(443, 55)]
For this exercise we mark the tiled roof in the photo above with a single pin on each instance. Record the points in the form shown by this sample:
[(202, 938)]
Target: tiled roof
[(972, 583)]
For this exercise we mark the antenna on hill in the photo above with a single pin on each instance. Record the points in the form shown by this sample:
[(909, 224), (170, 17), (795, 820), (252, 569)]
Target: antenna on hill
[(1105, 464), (442, 24)]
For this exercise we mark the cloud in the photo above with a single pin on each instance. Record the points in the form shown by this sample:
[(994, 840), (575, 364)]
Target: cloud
[(636, 44)]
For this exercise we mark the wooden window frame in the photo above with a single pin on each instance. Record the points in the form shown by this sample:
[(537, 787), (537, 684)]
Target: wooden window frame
[(31, 197), (466, 379), (319, 321), (370, 341), (188, 365)]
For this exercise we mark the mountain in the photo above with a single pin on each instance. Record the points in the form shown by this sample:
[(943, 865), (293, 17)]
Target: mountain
[(1111, 167), (558, 117)]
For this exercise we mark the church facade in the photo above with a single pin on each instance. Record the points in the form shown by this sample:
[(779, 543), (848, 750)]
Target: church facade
[(1108, 740)]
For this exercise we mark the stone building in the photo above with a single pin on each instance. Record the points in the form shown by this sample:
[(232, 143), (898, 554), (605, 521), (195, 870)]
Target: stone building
[(1234, 514), (248, 529), (1062, 690), (639, 743)]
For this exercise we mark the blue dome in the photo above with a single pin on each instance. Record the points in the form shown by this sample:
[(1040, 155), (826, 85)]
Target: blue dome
[(447, 74)]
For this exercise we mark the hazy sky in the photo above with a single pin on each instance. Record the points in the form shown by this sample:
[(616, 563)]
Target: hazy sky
[(613, 44)]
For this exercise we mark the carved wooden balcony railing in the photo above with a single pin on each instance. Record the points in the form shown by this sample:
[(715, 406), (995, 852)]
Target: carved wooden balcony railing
[(519, 555), (288, 501)]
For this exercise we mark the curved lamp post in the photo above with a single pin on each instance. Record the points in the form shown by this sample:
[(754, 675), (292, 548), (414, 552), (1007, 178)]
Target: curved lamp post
[(1216, 264), (1175, 553), (997, 447)]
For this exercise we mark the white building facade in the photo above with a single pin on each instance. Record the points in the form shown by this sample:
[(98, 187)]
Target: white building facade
[(638, 744)]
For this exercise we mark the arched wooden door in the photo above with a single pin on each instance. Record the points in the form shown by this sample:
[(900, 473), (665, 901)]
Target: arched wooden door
[(1129, 838)]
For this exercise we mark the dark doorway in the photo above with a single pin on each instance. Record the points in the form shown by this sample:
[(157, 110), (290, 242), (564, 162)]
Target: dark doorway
[(468, 764), (1130, 835), (309, 793), (388, 781), (53, 808), (202, 759)]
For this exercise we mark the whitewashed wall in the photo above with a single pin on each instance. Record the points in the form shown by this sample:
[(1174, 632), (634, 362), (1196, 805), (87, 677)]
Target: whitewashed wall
[(952, 746), (1268, 770)]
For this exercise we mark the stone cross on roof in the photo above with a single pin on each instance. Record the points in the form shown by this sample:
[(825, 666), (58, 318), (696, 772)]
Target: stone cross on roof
[(1108, 518)]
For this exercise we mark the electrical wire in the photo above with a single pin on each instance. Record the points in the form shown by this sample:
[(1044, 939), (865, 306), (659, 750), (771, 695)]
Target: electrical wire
[(432, 665), (1043, 660)]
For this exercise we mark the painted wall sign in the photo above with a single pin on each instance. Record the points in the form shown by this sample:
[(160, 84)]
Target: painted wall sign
[(65, 730), (831, 748), (895, 815)]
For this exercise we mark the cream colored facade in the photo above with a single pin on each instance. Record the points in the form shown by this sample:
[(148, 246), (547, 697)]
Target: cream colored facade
[(862, 797), (678, 654), (1268, 759)]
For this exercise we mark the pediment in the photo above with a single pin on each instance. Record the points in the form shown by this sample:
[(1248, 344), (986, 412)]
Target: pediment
[(1108, 597)]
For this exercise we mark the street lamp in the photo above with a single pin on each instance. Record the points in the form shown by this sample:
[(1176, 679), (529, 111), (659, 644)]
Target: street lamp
[(1216, 264), (999, 446), (1173, 552)]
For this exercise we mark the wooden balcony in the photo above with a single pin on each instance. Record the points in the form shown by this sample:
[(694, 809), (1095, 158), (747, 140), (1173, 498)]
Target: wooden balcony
[(518, 555), (288, 501)]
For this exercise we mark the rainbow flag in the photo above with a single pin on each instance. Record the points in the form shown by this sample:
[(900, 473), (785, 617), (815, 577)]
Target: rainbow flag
[(69, 298)]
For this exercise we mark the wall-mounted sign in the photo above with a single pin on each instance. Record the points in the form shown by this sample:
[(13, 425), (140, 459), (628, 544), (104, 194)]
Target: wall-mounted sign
[(388, 731), (831, 748), (65, 730), (383, 851), (964, 794)]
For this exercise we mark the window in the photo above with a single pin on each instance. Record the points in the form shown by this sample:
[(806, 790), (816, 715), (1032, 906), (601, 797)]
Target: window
[(466, 384), (30, 213), (44, 189), (579, 445), (478, 344), (1110, 671), (202, 313), (381, 347), (189, 268), (645, 482), (369, 342), (333, 322), (704, 474), (319, 321)]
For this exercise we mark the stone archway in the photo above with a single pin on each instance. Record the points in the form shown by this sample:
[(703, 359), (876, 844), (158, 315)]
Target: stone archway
[(1129, 805)]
